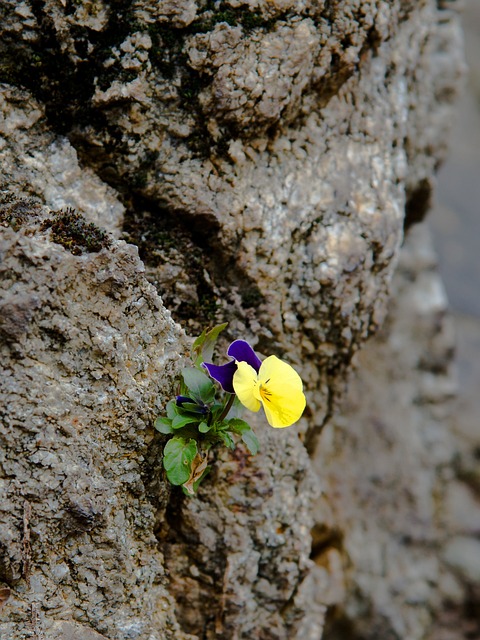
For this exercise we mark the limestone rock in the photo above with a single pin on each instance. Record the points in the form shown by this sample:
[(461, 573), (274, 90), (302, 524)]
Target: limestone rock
[(463, 554), (88, 354), (387, 458), (265, 159), (49, 166)]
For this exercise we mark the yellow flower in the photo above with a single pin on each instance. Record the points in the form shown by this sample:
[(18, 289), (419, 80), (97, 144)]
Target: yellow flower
[(277, 387)]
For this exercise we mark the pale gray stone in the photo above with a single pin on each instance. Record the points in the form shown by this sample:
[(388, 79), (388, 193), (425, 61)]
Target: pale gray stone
[(382, 458), (72, 631), (463, 509), (49, 166), (463, 554)]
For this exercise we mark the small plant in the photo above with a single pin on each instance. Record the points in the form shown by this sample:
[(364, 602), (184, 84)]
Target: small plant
[(204, 414)]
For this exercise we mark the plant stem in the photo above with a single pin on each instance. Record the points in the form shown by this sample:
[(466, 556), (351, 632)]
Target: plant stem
[(227, 408)]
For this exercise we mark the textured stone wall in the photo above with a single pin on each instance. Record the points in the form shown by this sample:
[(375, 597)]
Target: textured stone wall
[(386, 461), (87, 354), (265, 159)]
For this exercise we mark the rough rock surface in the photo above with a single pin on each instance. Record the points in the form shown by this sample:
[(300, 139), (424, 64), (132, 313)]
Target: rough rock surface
[(265, 158), (286, 136), (36, 161), (87, 352), (88, 358), (386, 462)]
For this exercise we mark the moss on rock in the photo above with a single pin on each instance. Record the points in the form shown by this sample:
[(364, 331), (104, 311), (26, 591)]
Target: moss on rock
[(72, 231), (16, 212)]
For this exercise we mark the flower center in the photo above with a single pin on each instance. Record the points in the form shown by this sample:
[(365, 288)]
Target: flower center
[(264, 392)]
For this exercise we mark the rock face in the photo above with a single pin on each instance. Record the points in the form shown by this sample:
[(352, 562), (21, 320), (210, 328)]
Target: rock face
[(383, 520), (265, 159), (87, 353)]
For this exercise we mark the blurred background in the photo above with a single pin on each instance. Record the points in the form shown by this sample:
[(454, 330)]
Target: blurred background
[(455, 222)]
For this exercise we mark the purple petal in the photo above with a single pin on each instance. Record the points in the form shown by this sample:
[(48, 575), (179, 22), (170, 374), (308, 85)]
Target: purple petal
[(243, 352), (181, 399), (222, 374)]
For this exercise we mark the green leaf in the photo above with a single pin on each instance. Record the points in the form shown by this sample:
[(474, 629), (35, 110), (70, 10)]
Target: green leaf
[(164, 425), (216, 410), (199, 385), (191, 407), (227, 439), (178, 456), (204, 427), (251, 442), (202, 348), (180, 421), (171, 409), (238, 426), (245, 431)]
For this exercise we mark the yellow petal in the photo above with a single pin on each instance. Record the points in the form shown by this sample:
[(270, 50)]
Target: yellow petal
[(286, 411), (245, 382), (281, 391)]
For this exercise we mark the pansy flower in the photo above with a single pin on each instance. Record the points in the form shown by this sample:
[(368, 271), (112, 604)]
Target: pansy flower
[(273, 384), (240, 351)]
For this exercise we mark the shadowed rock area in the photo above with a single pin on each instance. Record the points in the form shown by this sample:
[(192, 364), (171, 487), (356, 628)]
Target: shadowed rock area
[(265, 159)]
